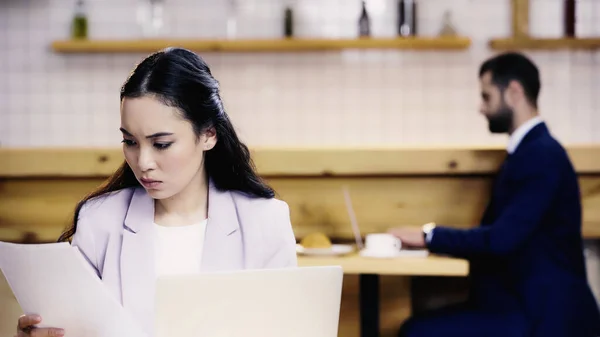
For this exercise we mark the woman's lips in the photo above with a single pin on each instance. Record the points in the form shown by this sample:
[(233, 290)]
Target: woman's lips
[(150, 183)]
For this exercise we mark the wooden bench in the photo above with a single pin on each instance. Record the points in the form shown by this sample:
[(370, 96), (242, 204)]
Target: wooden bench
[(388, 186)]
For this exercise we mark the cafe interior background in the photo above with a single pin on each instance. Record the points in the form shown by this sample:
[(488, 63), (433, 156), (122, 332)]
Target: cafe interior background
[(393, 117)]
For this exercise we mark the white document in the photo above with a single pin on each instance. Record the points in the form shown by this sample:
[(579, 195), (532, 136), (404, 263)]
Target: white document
[(57, 283)]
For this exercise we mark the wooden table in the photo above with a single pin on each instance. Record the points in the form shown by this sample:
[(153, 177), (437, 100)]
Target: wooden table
[(370, 269), (431, 265)]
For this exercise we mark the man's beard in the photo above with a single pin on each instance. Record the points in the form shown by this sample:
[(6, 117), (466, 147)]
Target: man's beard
[(502, 120)]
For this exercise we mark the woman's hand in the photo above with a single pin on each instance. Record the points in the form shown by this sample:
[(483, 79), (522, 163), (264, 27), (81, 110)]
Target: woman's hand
[(26, 328)]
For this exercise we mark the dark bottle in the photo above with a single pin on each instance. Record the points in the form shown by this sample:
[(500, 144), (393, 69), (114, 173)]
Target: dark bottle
[(407, 17), (288, 22), (364, 24), (79, 28), (569, 23)]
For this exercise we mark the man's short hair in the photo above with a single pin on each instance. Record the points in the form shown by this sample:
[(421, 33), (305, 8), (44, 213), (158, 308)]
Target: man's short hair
[(514, 66)]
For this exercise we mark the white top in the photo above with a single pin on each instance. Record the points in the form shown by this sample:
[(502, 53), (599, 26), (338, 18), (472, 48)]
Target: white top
[(179, 249), (520, 133)]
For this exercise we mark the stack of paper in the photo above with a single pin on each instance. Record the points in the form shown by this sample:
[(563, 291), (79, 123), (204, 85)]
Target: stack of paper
[(56, 282)]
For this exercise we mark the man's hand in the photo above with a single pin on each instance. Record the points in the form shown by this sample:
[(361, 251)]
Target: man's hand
[(411, 237)]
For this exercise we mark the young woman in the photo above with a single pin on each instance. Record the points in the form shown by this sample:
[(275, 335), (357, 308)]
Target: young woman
[(187, 198)]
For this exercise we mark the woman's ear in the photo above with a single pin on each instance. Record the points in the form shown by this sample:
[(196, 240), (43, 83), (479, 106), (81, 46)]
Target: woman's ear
[(209, 138)]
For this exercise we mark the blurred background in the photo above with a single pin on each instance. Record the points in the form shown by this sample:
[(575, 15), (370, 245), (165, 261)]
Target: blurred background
[(352, 97), (62, 63)]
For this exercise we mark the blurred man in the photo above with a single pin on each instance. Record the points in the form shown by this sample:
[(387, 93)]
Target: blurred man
[(527, 265)]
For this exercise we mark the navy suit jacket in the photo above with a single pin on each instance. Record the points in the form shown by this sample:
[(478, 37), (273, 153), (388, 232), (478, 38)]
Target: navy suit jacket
[(527, 254)]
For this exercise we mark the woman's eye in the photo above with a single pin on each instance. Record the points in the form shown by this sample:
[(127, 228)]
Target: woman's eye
[(128, 142), (162, 146)]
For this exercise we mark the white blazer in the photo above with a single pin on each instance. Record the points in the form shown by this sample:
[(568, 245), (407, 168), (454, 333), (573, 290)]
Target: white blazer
[(116, 234)]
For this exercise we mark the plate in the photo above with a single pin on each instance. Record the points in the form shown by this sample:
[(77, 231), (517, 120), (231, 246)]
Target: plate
[(400, 253), (335, 250)]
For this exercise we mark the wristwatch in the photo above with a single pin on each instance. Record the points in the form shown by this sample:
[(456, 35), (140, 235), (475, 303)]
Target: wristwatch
[(427, 229)]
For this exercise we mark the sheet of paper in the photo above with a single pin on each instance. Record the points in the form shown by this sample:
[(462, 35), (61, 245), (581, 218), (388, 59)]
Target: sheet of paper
[(56, 282)]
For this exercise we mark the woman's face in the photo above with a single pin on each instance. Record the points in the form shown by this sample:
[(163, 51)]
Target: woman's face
[(161, 147)]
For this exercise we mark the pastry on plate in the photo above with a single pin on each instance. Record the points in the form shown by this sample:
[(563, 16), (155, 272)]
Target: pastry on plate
[(316, 240)]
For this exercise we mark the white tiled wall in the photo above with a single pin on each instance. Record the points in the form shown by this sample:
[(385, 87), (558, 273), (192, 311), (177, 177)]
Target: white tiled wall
[(346, 98)]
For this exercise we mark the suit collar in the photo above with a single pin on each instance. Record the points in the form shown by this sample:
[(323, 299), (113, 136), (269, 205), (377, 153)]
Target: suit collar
[(223, 245), (137, 259), (221, 209), (141, 211), (521, 132), (537, 132), (223, 248)]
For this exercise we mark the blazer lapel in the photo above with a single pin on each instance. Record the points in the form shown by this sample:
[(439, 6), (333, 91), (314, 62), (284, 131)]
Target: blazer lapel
[(137, 259), (223, 247)]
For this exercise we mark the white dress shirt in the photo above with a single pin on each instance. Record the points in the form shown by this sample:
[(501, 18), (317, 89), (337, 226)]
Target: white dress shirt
[(520, 133)]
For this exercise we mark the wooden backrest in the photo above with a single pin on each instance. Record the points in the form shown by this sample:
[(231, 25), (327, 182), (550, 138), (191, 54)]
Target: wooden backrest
[(388, 187)]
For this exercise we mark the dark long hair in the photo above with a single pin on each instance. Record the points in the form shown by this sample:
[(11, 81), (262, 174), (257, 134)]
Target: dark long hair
[(179, 78)]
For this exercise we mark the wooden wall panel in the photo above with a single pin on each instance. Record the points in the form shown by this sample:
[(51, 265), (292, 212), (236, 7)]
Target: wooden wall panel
[(389, 187), (317, 204), (84, 162), (41, 208), (9, 309), (38, 209), (269, 162)]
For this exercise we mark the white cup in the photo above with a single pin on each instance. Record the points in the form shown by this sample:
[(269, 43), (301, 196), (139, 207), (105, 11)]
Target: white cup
[(382, 244)]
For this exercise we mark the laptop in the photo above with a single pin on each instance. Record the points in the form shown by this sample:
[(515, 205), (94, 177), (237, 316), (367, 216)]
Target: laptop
[(292, 302)]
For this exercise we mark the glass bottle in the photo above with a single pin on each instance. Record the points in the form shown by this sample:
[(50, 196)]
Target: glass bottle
[(288, 25), (150, 16), (569, 19), (407, 17), (447, 25), (79, 26), (364, 24), (232, 19)]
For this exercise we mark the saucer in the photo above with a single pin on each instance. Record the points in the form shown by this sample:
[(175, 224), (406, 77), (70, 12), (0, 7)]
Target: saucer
[(395, 254), (335, 250)]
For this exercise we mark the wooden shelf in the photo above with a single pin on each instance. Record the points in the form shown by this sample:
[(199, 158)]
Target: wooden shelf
[(276, 45), (545, 44)]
